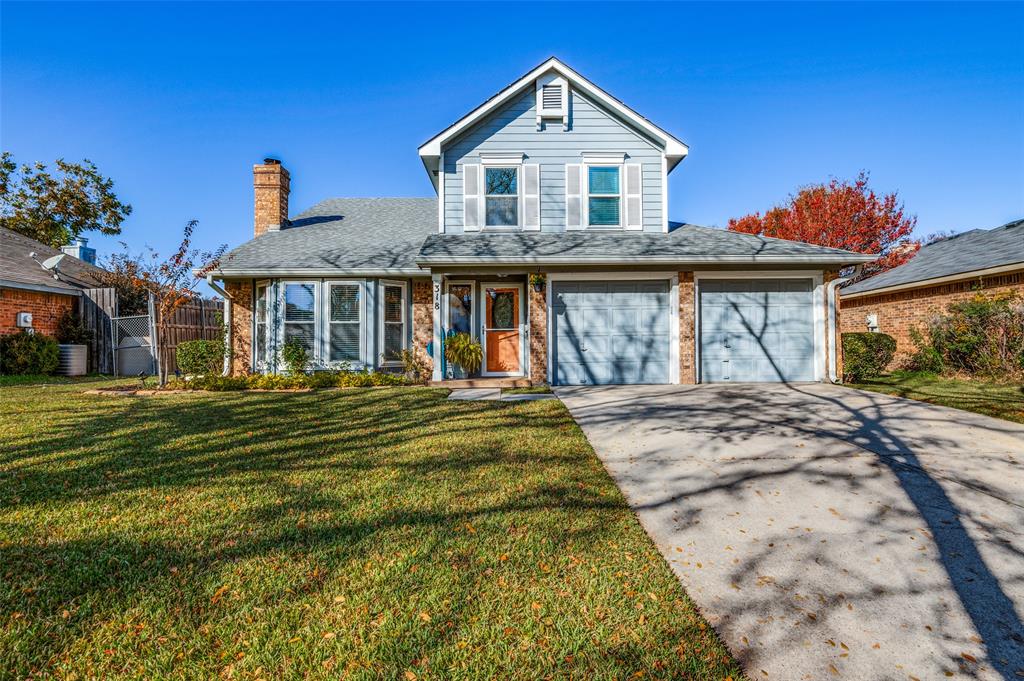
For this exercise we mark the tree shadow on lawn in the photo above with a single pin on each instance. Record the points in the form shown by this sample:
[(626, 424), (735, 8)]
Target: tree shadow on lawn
[(886, 436), (218, 490)]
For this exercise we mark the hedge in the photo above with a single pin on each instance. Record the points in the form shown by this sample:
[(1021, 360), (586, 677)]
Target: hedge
[(200, 357), (319, 379), (866, 355), (28, 353)]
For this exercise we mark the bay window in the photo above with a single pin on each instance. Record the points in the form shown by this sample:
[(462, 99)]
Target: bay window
[(261, 316), (393, 320), (344, 322), (299, 322)]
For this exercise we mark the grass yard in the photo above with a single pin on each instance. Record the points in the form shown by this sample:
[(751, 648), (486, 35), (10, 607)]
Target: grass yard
[(373, 533), (1001, 400)]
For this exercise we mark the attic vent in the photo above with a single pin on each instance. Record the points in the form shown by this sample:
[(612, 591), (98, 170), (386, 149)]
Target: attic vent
[(551, 97)]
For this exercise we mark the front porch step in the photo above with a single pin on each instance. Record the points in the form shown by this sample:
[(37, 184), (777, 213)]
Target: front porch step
[(456, 384)]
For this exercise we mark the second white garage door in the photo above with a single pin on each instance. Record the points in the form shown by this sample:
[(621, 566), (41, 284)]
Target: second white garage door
[(759, 330)]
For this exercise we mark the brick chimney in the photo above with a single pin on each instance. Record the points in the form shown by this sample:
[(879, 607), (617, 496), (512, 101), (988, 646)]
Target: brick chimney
[(271, 183)]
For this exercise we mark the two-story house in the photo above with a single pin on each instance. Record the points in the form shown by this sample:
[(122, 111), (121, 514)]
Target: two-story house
[(550, 241)]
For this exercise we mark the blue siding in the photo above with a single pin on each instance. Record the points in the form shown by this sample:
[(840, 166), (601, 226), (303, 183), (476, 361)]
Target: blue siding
[(514, 128)]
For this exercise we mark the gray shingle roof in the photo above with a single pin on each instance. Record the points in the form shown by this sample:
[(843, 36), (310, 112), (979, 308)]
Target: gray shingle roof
[(339, 235), (685, 243), (17, 267), (977, 249)]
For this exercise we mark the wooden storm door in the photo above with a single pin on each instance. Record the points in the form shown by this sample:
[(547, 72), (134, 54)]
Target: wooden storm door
[(502, 336)]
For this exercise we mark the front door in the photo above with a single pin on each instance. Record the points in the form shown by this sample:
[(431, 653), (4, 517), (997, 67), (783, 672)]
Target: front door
[(503, 349)]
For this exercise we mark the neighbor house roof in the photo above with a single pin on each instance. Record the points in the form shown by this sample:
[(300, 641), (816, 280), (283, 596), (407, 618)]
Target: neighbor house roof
[(19, 270), (682, 245), (340, 236), (958, 256), (430, 151)]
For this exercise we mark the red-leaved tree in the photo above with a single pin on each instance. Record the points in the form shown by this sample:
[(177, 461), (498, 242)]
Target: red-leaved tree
[(844, 215)]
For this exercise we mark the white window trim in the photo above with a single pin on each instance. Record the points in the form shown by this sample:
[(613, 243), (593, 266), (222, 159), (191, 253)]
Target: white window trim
[(587, 165), (494, 161), (317, 316), (673, 281), (268, 322), (404, 285), (325, 327), (817, 303), (523, 339), (446, 318)]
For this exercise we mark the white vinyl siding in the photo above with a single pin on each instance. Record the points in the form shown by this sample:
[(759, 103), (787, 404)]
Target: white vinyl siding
[(513, 128)]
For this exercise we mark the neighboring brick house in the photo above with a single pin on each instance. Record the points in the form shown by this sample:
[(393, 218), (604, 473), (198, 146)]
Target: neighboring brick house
[(551, 178), (952, 270), (26, 287)]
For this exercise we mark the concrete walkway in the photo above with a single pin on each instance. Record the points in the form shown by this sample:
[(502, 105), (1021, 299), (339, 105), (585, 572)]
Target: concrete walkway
[(496, 394), (828, 533)]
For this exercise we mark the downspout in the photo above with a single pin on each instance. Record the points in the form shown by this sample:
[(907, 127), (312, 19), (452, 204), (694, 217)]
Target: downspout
[(227, 323), (833, 336)]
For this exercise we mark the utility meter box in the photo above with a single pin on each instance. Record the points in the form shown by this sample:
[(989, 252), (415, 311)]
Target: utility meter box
[(872, 320), (24, 320)]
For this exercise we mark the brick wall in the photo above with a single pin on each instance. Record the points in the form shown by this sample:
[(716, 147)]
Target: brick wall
[(687, 342), (901, 311), (46, 309), (241, 325), (538, 335), (422, 319), (271, 185)]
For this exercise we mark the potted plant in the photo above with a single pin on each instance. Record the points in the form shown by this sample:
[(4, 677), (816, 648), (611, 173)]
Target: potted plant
[(537, 280), (464, 353), (74, 338)]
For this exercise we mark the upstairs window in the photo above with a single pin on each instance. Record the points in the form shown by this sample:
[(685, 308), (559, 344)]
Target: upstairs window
[(604, 196), (501, 196)]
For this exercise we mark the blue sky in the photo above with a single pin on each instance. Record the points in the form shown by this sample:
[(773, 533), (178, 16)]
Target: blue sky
[(176, 102)]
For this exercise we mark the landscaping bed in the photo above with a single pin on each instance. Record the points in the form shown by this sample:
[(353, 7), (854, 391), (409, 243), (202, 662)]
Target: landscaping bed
[(385, 533), (992, 398)]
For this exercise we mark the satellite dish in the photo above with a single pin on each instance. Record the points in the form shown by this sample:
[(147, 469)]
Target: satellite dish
[(50, 264)]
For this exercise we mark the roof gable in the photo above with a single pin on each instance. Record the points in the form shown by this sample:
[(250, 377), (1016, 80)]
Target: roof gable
[(430, 151)]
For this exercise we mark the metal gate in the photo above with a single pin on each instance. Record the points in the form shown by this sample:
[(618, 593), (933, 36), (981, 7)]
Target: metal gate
[(133, 345)]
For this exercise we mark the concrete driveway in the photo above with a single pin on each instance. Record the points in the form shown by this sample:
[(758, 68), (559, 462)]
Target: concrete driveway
[(827, 532)]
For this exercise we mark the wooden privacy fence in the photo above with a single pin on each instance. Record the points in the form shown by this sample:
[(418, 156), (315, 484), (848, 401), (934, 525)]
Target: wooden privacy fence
[(198, 320), (98, 305)]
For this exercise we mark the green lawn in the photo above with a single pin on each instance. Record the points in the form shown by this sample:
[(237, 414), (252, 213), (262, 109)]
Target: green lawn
[(1001, 400), (375, 533)]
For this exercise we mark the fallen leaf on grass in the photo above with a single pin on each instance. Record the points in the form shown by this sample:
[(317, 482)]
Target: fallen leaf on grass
[(219, 594)]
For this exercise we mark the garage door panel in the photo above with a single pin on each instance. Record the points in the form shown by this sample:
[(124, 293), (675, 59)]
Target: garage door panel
[(620, 332), (757, 330)]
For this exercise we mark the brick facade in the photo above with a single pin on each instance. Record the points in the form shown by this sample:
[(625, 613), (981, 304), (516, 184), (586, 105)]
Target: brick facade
[(900, 312), (241, 326), (46, 309), (538, 335), (271, 185), (422, 320), (687, 341)]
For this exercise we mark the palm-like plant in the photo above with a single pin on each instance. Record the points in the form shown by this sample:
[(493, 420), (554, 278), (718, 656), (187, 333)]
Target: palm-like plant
[(464, 350)]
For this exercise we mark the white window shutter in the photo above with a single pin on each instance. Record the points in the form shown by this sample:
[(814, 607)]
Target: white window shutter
[(472, 197), (634, 196), (531, 197), (574, 196)]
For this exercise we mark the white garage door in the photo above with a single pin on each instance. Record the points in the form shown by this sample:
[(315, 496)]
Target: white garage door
[(610, 332), (758, 330)]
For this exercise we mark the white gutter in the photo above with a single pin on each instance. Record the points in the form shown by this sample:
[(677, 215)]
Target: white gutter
[(833, 335), (227, 323)]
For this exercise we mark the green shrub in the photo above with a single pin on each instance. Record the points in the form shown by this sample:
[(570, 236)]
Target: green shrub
[(983, 335), (926, 358), (866, 355), (316, 380), (200, 357), (28, 353), (71, 330), (295, 356)]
